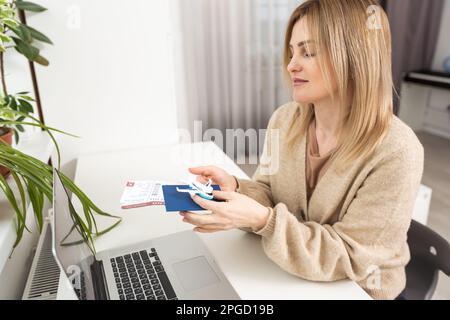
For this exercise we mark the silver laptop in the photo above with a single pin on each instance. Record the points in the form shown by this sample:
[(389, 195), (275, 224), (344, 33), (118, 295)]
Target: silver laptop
[(177, 266)]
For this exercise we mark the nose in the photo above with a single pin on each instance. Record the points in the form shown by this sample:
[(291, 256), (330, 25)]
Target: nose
[(294, 66)]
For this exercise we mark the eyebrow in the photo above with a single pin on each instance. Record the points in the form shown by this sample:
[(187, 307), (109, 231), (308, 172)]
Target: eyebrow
[(301, 43)]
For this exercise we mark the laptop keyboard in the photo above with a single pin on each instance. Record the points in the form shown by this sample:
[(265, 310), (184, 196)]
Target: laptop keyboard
[(141, 276)]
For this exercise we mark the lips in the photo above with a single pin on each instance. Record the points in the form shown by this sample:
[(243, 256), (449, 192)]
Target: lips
[(299, 80)]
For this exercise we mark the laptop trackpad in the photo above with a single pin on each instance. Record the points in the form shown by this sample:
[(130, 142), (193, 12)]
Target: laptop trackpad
[(195, 273)]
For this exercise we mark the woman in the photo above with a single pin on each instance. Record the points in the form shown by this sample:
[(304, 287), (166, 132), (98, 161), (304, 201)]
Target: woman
[(339, 202)]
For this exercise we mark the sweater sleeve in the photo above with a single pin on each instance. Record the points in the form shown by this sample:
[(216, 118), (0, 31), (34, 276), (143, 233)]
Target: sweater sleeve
[(371, 233), (258, 188)]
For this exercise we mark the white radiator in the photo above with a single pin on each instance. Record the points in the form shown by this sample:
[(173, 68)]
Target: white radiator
[(43, 279)]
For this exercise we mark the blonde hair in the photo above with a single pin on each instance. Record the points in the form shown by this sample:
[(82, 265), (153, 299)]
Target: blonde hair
[(359, 56)]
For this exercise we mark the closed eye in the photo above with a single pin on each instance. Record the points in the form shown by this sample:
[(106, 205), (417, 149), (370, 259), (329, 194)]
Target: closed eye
[(305, 55), (309, 55)]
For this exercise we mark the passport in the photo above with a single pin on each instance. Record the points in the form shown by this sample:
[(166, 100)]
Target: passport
[(181, 201)]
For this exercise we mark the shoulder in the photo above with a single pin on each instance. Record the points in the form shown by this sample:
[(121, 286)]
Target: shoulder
[(400, 143), (400, 137)]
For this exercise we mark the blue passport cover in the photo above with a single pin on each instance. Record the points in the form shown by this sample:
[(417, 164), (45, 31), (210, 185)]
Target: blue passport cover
[(180, 201)]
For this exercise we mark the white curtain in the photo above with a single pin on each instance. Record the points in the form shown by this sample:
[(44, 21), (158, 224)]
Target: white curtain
[(229, 70)]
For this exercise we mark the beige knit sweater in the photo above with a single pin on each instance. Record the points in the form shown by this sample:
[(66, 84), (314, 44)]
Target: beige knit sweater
[(355, 225)]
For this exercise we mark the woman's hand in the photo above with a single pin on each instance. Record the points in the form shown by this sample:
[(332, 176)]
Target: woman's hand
[(239, 211), (218, 176)]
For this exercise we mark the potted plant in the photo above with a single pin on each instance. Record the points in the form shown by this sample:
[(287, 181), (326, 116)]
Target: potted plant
[(33, 178)]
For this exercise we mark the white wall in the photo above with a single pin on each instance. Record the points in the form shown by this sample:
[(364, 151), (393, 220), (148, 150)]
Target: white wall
[(110, 78), (443, 47), (17, 72)]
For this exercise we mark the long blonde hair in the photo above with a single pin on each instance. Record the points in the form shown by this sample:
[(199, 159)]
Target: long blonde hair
[(358, 51)]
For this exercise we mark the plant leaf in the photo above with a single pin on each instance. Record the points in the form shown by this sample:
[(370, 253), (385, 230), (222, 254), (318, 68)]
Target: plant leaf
[(28, 98), (38, 35), (11, 23), (5, 38), (26, 49), (7, 98), (47, 129), (29, 6), (12, 103), (26, 34), (16, 137), (42, 61), (20, 128), (13, 202), (26, 106), (7, 122), (23, 199), (33, 194)]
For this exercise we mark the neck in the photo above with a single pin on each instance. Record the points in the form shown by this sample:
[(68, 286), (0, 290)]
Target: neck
[(328, 118)]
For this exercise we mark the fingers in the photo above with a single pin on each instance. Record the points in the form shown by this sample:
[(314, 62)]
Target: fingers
[(202, 179), (202, 171), (224, 195), (206, 230), (200, 220), (206, 204)]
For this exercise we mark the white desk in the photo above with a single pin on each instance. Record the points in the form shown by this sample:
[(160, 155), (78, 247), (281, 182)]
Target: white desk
[(239, 254)]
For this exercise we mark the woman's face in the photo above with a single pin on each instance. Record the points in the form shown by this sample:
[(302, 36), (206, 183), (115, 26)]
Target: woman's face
[(307, 81)]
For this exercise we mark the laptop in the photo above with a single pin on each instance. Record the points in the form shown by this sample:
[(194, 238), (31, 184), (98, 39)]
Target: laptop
[(177, 266)]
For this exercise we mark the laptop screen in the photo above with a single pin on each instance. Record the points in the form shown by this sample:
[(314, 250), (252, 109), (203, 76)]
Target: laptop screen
[(75, 260)]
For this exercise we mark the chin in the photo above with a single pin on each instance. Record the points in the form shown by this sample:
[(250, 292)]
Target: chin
[(302, 98)]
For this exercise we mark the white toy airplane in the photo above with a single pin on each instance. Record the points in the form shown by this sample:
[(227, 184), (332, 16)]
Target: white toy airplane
[(195, 187)]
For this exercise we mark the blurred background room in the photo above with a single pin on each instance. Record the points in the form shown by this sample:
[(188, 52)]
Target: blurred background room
[(233, 79)]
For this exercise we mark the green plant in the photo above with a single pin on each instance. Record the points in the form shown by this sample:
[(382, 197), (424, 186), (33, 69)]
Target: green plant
[(17, 35), (33, 178)]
